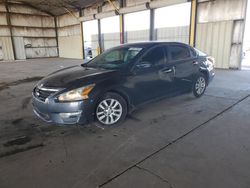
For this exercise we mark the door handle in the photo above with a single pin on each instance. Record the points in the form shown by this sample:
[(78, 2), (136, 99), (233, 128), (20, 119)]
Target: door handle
[(168, 71)]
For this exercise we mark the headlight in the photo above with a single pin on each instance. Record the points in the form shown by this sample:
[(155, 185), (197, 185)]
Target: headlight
[(76, 94)]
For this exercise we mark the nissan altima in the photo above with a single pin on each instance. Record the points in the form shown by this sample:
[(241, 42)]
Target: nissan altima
[(114, 83)]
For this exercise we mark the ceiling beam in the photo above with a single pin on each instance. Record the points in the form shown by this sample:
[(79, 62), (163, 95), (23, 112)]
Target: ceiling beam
[(55, 9), (33, 6)]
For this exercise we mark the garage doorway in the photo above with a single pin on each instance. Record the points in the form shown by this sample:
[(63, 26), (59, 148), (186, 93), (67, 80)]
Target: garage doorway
[(172, 23), (246, 43), (90, 35), (110, 32), (137, 26)]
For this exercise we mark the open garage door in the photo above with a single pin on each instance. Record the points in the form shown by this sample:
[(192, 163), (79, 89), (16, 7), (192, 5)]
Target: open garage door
[(172, 23), (90, 35), (137, 26), (110, 32)]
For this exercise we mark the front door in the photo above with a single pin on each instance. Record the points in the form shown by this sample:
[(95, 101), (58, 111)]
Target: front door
[(151, 77)]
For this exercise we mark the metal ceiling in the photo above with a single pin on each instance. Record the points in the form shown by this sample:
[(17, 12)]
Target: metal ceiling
[(59, 7)]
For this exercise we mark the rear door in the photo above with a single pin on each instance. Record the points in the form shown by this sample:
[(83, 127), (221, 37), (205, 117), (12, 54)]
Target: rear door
[(184, 65)]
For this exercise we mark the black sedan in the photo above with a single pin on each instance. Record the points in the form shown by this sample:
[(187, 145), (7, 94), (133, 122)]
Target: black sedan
[(111, 85)]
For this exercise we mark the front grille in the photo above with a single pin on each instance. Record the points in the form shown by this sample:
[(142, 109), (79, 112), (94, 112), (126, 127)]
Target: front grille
[(42, 93)]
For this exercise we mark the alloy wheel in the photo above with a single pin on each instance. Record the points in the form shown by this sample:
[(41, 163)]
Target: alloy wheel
[(200, 85), (109, 111)]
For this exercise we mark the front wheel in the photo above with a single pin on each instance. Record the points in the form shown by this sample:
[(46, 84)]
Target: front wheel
[(111, 110), (199, 85)]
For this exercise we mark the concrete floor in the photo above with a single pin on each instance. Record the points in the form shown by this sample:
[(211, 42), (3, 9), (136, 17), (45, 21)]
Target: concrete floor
[(180, 142)]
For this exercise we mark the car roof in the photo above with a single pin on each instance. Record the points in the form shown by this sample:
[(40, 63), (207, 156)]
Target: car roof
[(152, 43)]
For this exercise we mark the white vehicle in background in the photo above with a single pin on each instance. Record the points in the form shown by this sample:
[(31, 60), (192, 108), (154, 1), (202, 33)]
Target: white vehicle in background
[(88, 53)]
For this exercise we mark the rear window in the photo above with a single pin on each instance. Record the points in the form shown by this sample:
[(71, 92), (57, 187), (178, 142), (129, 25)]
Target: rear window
[(179, 52)]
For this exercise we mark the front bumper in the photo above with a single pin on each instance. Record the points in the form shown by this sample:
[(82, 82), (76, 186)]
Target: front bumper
[(61, 113)]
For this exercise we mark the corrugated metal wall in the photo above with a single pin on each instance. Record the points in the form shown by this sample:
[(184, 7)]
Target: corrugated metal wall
[(40, 47), (69, 36), (215, 39), (237, 41), (220, 30), (32, 32), (6, 48), (19, 48), (70, 47)]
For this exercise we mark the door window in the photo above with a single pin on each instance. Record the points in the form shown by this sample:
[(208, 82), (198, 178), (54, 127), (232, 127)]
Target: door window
[(179, 53), (155, 57)]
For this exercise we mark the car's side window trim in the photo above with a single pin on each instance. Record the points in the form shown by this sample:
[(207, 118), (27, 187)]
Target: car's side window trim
[(167, 52)]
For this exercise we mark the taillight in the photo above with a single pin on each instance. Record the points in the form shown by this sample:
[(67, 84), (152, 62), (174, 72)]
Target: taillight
[(211, 60)]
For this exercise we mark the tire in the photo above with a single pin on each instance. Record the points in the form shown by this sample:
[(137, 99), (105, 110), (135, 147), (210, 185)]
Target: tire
[(111, 109), (199, 85)]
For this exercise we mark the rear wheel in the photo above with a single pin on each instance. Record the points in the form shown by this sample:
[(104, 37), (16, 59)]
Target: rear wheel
[(111, 110), (199, 85)]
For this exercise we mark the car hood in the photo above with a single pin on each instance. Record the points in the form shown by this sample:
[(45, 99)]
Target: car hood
[(75, 75)]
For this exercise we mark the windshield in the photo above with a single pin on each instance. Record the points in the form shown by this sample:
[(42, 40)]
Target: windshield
[(116, 58)]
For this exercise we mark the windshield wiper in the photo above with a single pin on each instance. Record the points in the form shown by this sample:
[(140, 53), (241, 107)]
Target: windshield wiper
[(84, 65)]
